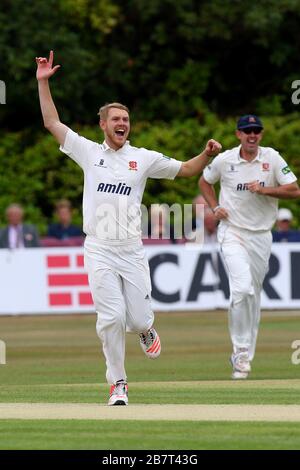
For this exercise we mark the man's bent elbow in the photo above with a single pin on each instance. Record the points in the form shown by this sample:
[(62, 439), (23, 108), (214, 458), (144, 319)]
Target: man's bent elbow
[(296, 194), (58, 130), (185, 170)]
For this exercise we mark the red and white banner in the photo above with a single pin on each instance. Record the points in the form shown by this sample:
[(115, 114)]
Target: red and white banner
[(53, 280)]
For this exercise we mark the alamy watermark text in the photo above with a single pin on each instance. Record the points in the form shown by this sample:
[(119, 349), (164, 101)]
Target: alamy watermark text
[(2, 92), (2, 352), (295, 359), (296, 94)]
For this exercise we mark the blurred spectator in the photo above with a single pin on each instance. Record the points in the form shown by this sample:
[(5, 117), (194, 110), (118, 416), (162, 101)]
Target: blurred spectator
[(160, 228), (204, 223), (64, 229), (17, 234), (159, 222), (284, 232)]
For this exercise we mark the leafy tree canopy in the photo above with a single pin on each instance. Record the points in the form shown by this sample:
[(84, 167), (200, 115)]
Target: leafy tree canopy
[(163, 58)]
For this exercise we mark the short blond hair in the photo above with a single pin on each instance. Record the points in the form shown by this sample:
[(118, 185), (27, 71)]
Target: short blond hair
[(103, 111)]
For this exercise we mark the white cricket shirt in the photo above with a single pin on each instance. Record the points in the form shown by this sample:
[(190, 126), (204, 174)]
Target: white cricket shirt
[(114, 183), (249, 210)]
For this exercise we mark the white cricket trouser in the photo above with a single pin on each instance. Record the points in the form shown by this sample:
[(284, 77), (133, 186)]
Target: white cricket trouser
[(119, 279), (246, 254)]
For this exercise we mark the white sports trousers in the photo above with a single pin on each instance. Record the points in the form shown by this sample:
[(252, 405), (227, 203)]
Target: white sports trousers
[(246, 255), (119, 279)]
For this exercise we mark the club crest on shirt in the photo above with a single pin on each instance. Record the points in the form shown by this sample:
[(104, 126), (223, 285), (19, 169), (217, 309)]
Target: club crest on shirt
[(132, 165), (266, 167)]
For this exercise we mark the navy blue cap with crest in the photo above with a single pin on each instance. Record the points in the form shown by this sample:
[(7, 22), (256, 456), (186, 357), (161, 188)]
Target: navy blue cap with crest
[(249, 120)]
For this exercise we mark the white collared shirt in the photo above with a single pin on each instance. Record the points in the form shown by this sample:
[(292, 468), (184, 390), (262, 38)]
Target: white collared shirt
[(15, 236), (114, 183), (249, 210)]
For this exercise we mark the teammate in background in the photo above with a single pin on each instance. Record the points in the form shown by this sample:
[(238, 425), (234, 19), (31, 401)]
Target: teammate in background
[(252, 179), (115, 175), (63, 229), (283, 231), (17, 234)]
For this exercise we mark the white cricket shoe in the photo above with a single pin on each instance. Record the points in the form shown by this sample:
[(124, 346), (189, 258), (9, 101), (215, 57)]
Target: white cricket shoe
[(236, 375), (240, 364), (118, 394), (150, 343)]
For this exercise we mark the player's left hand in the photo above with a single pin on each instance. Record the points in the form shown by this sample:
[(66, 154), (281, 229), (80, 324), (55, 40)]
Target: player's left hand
[(212, 148), (45, 70), (255, 187)]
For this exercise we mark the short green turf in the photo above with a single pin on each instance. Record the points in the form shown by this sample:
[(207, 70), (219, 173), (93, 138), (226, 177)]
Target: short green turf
[(195, 346), (146, 435), (59, 359), (225, 392)]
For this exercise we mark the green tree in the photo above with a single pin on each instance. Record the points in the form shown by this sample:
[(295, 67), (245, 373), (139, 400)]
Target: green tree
[(37, 174), (74, 29), (163, 58)]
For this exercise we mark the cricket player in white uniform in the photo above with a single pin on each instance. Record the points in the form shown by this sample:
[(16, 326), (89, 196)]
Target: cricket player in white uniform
[(252, 179), (115, 174)]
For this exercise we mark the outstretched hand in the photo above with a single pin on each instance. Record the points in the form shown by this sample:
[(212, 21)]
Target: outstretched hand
[(44, 67), (212, 148)]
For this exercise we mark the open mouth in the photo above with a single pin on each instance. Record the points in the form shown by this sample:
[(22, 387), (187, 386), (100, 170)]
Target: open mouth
[(120, 132)]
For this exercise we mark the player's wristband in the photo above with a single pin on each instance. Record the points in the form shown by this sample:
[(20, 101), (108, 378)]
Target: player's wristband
[(216, 208)]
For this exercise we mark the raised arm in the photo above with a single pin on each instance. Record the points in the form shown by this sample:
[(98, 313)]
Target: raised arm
[(49, 112), (196, 165)]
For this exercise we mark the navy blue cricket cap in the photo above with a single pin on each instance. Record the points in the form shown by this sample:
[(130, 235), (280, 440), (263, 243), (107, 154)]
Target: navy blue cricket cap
[(249, 120)]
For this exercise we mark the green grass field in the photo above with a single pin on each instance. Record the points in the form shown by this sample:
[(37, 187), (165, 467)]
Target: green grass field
[(58, 359)]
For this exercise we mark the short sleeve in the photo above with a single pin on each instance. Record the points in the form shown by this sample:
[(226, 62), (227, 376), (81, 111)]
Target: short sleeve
[(76, 147), (162, 166), (212, 172), (284, 174)]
